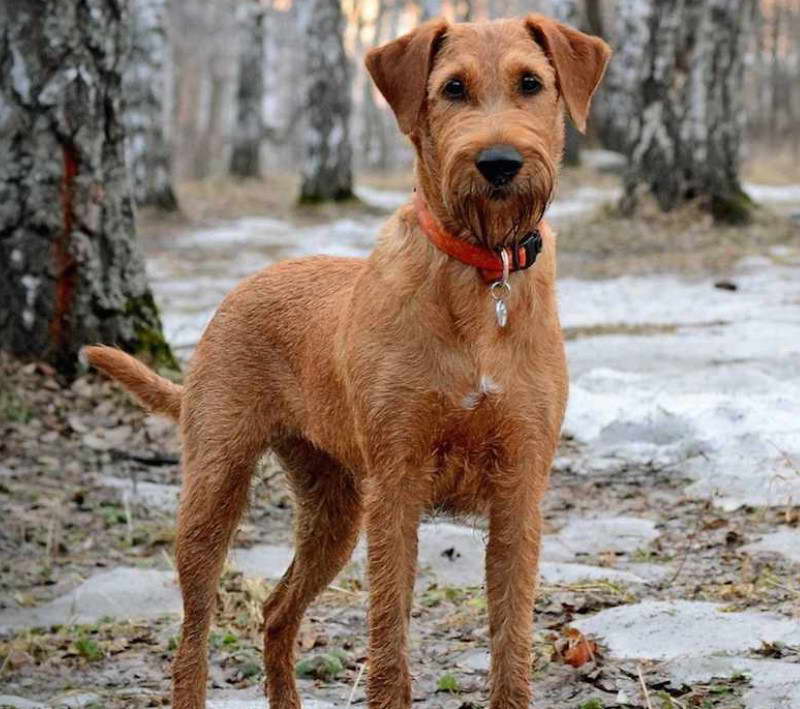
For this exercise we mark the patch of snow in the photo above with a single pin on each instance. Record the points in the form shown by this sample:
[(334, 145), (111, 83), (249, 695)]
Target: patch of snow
[(552, 572), (343, 237), (775, 684), (386, 199), (253, 697), (246, 231), (603, 160), (582, 200), (262, 561), (594, 536), (762, 296), (75, 700), (7, 700), (773, 193), (475, 660), (154, 495), (716, 399), (785, 542), (664, 630), (120, 593)]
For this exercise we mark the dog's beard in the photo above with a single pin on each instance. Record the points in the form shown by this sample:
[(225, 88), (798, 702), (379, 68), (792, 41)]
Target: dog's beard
[(502, 216)]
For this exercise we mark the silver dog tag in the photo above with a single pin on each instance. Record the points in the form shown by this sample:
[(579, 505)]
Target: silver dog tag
[(500, 290), (501, 311)]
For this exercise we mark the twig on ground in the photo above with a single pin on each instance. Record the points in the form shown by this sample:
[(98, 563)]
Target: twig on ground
[(355, 684), (689, 541), (644, 687), (169, 559), (340, 589)]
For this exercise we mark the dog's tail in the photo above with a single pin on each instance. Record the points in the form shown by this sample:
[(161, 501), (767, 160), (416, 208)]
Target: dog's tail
[(156, 393)]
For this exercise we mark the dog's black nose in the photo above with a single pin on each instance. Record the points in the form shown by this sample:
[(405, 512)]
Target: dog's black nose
[(499, 164)]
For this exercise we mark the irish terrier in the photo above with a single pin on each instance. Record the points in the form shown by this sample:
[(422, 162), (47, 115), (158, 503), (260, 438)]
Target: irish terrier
[(430, 376)]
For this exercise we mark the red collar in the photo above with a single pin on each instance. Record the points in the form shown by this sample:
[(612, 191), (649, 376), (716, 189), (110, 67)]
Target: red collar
[(488, 262)]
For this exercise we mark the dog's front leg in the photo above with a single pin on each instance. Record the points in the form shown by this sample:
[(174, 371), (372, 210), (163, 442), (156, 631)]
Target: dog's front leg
[(393, 509), (512, 560)]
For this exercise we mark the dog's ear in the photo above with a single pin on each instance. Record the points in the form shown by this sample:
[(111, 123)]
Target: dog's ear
[(400, 70), (579, 59)]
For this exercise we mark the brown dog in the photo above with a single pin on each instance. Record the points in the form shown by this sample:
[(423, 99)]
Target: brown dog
[(389, 387)]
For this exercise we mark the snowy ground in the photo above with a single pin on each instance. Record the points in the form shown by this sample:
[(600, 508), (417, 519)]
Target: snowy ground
[(671, 527)]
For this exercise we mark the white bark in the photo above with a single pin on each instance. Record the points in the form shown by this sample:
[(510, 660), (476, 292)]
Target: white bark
[(615, 103), (327, 168), (145, 88), (249, 127), (686, 98)]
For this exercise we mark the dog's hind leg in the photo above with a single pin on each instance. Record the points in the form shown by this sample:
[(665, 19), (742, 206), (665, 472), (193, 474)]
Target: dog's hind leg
[(327, 523), (220, 454)]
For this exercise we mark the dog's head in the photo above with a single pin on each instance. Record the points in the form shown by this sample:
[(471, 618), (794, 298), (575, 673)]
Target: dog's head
[(483, 104)]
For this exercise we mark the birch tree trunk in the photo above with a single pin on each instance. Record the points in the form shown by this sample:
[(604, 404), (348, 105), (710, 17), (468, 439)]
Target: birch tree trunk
[(249, 128), (327, 168), (70, 271), (206, 67), (615, 103), (144, 89), (688, 106), (569, 12)]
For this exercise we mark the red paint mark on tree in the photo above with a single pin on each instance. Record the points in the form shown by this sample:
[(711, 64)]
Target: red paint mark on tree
[(63, 261)]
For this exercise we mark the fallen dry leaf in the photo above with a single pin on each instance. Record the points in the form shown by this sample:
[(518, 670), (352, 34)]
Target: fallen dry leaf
[(574, 648)]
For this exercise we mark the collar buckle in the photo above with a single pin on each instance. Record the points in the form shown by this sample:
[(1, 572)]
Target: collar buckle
[(531, 247)]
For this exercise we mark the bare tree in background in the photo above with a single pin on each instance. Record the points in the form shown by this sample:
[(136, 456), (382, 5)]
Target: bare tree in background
[(249, 128), (571, 13), (773, 76), (688, 104), (616, 101), (373, 141), (327, 168), (70, 271), (203, 36), (144, 88)]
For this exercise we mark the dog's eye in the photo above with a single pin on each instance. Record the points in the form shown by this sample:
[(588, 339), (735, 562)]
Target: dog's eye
[(530, 84), (455, 89)]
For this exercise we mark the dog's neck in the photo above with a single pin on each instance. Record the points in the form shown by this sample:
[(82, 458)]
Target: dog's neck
[(435, 287), (490, 263)]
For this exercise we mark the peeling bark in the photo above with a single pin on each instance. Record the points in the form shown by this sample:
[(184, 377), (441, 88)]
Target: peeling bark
[(687, 103), (70, 272), (144, 89), (249, 129), (327, 168)]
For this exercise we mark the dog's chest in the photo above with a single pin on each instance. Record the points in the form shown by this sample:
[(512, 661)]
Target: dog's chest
[(469, 441)]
